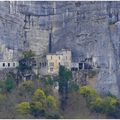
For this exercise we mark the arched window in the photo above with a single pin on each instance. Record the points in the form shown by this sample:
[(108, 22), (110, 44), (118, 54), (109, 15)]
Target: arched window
[(59, 63), (40, 65), (8, 64), (3, 64)]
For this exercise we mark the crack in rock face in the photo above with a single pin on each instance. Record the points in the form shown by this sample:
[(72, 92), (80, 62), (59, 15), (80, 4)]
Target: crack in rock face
[(88, 28)]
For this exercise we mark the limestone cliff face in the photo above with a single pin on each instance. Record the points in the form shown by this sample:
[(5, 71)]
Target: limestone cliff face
[(88, 28)]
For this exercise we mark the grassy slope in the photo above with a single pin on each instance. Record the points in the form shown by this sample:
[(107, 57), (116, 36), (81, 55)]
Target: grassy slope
[(77, 109)]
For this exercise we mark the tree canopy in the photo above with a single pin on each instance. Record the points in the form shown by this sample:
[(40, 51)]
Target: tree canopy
[(27, 87), (23, 107), (39, 95), (28, 54), (9, 83)]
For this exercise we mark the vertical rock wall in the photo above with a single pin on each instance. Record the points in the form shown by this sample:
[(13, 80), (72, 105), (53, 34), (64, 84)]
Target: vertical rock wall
[(88, 28)]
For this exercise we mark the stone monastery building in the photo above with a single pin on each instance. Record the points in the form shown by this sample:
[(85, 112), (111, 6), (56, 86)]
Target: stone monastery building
[(6, 58), (54, 60)]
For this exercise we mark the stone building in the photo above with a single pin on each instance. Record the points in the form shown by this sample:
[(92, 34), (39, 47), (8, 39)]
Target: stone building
[(8, 64), (66, 57), (74, 66), (62, 57), (40, 65), (7, 57)]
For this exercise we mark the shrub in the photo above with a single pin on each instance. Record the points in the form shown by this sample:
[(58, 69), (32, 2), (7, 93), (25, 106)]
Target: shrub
[(73, 87), (27, 87), (48, 81), (108, 105), (37, 109), (2, 98), (54, 115), (39, 95), (28, 54), (89, 93), (51, 102), (116, 112), (23, 107), (97, 105)]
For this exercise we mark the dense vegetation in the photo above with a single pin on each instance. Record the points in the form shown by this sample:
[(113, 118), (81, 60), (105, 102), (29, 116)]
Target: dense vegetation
[(108, 104), (32, 98), (37, 97)]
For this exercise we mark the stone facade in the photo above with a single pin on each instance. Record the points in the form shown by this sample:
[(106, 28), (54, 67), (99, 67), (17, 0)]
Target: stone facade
[(62, 57), (7, 59), (8, 64)]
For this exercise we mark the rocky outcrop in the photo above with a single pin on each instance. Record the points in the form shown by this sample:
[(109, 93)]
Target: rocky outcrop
[(88, 28)]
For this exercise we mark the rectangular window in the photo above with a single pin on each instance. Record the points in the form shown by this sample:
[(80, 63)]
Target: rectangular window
[(34, 63), (14, 64), (40, 65), (51, 57), (51, 64), (3, 64), (81, 65), (51, 69), (45, 63), (8, 64), (59, 57)]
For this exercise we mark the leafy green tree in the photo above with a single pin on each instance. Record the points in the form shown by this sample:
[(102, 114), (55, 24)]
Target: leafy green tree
[(23, 107), (52, 108), (88, 92), (73, 87), (97, 104), (55, 78), (37, 109), (116, 112), (65, 76), (51, 102), (48, 90), (48, 81), (47, 84), (27, 87), (28, 54), (9, 83), (26, 62), (39, 95), (109, 105)]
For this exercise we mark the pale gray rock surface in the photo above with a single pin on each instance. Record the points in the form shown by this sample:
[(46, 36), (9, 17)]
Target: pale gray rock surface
[(87, 28)]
